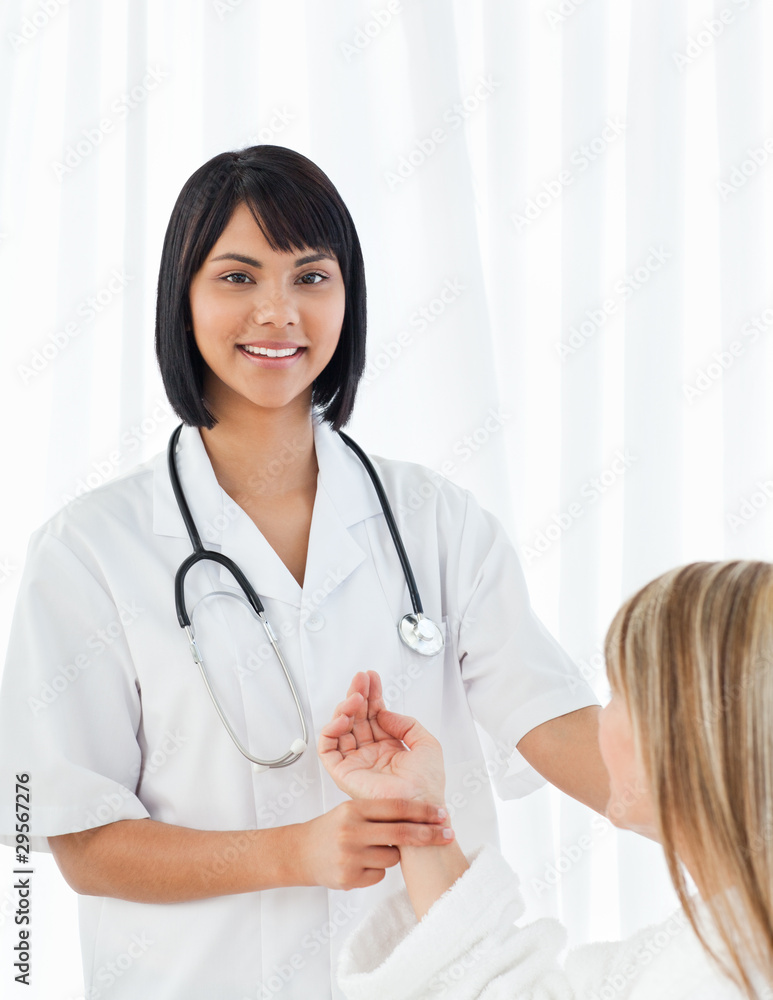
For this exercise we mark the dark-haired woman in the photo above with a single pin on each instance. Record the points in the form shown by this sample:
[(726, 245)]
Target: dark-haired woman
[(200, 875)]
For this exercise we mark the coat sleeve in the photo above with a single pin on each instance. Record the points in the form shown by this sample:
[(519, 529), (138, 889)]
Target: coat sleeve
[(69, 703), (468, 946), (516, 675)]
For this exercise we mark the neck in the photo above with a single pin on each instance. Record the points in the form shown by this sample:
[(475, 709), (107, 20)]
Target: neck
[(263, 452)]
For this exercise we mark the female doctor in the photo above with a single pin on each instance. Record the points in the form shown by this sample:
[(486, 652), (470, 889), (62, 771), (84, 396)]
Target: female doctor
[(216, 876)]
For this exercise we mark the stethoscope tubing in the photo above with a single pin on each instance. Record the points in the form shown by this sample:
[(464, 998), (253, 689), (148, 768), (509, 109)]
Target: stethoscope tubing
[(200, 554), (410, 579)]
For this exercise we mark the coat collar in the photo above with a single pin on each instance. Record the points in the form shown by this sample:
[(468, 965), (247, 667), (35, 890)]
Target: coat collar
[(345, 496)]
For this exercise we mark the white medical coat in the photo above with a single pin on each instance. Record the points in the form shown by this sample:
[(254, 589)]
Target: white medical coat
[(103, 706)]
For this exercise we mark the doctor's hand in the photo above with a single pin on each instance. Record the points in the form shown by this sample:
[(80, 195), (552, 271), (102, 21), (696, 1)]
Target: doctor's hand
[(353, 844), (372, 753)]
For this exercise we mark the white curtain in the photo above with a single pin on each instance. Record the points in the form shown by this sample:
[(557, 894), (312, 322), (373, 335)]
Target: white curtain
[(563, 207)]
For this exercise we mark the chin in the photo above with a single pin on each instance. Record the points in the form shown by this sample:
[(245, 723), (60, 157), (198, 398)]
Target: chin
[(615, 815), (620, 814), (618, 811)]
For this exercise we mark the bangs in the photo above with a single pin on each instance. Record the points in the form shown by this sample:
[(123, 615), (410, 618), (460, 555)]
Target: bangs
[(288, 218)]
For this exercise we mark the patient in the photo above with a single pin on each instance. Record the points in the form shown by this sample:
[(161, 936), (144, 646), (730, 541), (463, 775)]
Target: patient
[(688, 742)]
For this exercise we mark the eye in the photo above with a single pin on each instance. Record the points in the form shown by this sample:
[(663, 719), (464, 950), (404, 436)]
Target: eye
[(313, 274), (240, 276)]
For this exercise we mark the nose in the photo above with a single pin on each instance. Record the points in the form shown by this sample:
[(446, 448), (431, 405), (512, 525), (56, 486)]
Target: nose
[(275, 305)]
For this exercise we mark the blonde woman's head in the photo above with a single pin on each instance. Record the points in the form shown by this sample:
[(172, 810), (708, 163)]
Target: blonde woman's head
[(690, 663)]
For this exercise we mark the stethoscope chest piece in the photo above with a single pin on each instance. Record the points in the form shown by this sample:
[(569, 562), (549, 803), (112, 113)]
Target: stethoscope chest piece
[(421, 634)]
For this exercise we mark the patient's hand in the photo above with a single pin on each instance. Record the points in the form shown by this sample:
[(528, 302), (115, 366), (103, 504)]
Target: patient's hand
[(372, 753)]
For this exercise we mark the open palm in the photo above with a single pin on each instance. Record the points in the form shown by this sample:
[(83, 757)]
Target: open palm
[(372, 753)]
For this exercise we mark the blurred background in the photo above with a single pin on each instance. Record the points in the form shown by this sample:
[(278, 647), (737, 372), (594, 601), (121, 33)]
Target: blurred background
[(564, 209)]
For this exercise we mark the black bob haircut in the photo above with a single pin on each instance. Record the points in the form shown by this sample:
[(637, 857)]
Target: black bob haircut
[(297, 207)]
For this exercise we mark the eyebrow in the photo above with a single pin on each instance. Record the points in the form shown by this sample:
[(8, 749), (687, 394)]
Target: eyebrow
[(244, 259)]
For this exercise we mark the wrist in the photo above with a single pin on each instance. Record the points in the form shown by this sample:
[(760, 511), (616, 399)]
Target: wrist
[(286, 847), (411, 851), (429, 872), (297, 855)]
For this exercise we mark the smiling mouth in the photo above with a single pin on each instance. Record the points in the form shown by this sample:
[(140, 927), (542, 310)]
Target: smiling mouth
[(270, 352)]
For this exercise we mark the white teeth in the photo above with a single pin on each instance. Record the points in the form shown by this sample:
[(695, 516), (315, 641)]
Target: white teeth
[(268, 352)]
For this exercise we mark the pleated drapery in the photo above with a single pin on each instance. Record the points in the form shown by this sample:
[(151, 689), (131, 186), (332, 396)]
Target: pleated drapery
[(564, 208)]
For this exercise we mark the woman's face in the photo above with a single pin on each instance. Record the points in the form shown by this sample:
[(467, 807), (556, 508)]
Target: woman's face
[(630, 803), (266, 323)]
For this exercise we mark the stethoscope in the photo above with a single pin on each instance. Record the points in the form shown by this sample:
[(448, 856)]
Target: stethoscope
[(417, 631)]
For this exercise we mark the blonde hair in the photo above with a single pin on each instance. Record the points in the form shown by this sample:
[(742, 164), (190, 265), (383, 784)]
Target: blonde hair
[(692, 656)]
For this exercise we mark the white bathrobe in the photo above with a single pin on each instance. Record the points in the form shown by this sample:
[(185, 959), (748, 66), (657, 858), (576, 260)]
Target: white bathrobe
[(468, 946)]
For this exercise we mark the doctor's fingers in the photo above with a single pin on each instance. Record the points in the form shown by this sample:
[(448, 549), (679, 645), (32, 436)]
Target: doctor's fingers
[(380, 857), (402, 822), (393, 810)]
